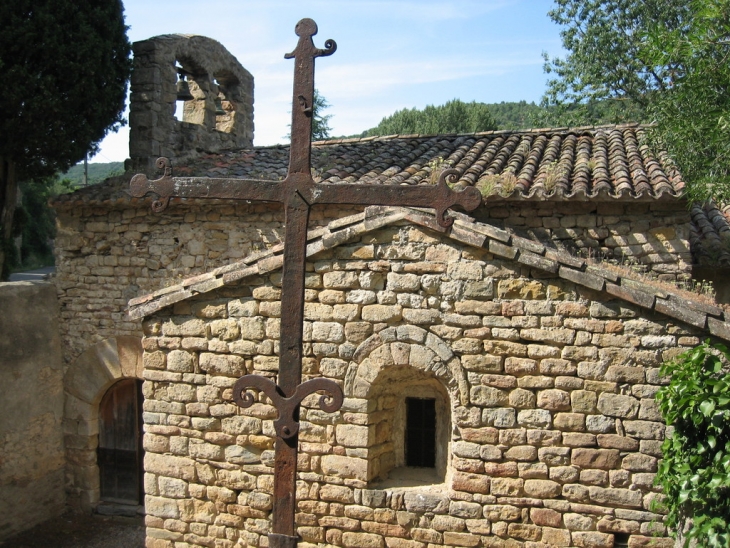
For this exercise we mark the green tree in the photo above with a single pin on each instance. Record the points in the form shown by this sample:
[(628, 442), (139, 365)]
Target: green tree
[(453, 117), (66, 63), (604, 40), (662, 61), (692, 113), (320, 122)]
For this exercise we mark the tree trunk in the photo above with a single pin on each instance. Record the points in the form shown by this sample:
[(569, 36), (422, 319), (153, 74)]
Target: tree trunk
[(8, 199)]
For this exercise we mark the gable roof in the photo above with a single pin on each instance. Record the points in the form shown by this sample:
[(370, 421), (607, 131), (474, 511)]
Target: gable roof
[(589, 163), (602, 163), (467, 231), (597, 163)]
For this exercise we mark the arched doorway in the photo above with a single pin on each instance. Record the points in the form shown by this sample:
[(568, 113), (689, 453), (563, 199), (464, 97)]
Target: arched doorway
[(86, 382), (120, 443)]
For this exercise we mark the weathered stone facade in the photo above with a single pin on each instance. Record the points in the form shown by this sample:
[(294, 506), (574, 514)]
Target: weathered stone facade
[(541, 355), (553, 434), (212, 73), (110, 253)]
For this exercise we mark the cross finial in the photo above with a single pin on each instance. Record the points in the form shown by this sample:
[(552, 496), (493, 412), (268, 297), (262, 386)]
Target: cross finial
[(303, 98)]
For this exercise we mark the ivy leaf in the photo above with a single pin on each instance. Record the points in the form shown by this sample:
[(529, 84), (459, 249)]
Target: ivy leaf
[(708, 408)]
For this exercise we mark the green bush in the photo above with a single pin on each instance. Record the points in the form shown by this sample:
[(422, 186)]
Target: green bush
[(695, 471)]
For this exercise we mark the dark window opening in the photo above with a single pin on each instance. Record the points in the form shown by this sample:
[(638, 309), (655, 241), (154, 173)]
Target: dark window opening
[(620, 540), (120, 443), (420, 442)]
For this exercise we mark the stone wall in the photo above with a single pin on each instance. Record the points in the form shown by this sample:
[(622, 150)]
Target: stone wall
[(106, 255), (211, 73), (31, 407), (553, 432), (652, 237)]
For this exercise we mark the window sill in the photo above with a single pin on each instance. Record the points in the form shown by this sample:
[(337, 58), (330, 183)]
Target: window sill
[(407, 478)]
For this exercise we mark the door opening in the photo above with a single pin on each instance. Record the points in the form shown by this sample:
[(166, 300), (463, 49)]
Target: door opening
[(120, 443)]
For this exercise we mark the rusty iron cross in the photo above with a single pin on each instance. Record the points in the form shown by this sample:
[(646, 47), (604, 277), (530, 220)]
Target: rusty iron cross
[(298, 193)]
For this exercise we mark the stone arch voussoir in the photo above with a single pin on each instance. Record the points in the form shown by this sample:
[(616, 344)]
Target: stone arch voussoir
[(405, 345)]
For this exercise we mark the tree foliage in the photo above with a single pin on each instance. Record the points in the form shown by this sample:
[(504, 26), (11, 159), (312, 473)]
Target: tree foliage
[(695, 470), (662, 61), (320, 122), (66, 64), (453, 117), (604, 40), (693, 110)]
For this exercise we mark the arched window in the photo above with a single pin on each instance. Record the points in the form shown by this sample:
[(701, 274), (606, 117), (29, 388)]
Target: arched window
[(412, 425), (402, 386), (120, 443)]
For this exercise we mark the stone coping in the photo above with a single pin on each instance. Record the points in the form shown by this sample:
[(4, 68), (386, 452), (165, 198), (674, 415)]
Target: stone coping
[(501, 243)]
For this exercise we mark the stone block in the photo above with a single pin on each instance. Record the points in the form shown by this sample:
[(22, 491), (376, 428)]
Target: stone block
[(604, 459), (571, 422), (470, 483), (362, 540), (615, 497), (637, 462), (522, 453), (541, 488), (344, 467), (614, 441), (534, 418), (425, 502), (592, 539), (482, 363), (161, 507), (381, 313), (521, 399), (487, 396), (340, 280), (617, 405), (507, 487), (520, 366), (554, 400)]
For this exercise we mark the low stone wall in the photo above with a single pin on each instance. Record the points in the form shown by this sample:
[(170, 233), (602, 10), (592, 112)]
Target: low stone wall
[(553, 434), (31, 407)]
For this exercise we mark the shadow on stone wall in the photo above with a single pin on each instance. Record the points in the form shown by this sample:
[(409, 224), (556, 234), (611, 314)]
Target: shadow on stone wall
[(31, 407)]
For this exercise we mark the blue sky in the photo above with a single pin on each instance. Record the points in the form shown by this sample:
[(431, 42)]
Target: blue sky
[(392, 54)]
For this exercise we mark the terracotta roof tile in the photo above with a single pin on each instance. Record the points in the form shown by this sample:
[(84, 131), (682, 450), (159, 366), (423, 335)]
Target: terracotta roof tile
[(710, 234), (600, 163)]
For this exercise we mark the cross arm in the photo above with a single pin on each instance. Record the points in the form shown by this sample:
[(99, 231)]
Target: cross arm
[(168, 187), (439, 196)]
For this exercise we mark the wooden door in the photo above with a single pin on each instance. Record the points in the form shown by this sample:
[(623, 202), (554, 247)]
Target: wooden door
[(120, 443)]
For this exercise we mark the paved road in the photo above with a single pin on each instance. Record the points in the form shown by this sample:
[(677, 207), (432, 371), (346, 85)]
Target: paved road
[(33, 275), (82, 531)]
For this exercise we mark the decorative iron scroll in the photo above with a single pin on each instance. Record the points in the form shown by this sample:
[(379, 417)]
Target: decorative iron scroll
[(287, 424)]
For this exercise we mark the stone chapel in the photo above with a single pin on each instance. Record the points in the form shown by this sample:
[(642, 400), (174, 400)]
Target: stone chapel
[(499, 376)]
